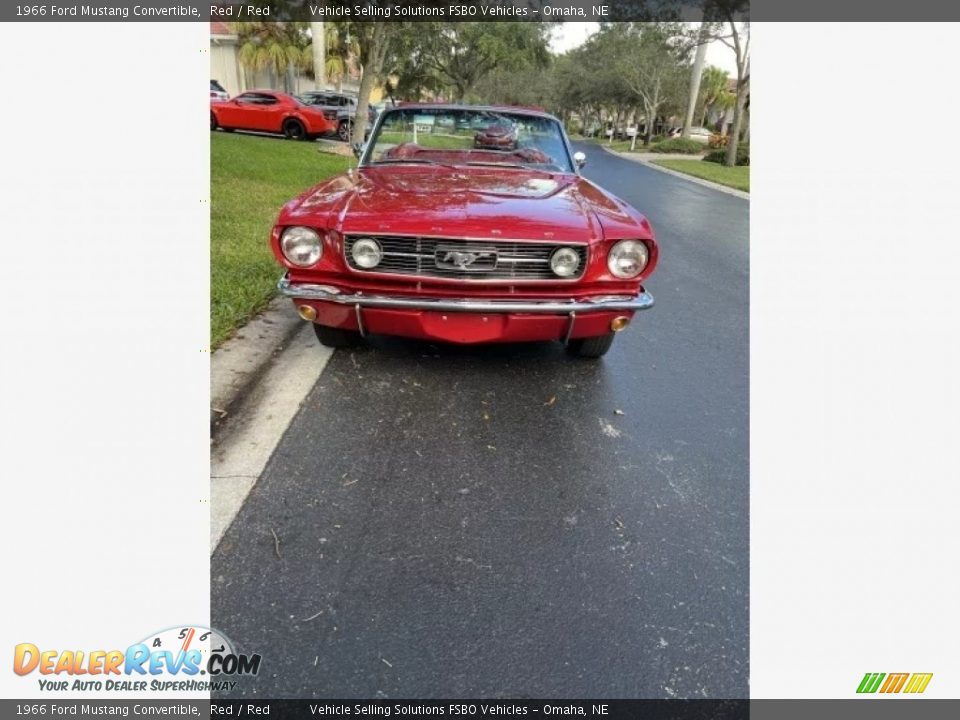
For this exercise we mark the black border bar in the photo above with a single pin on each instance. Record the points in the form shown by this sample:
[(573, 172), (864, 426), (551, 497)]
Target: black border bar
[(874, 708)]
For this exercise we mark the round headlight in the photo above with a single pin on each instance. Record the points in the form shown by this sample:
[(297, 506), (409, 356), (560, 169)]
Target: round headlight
[(565, 262), (628, 258), (301, 246), (366, 253)]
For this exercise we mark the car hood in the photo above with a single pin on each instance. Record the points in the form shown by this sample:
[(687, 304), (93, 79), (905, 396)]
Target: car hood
[(466, 202)]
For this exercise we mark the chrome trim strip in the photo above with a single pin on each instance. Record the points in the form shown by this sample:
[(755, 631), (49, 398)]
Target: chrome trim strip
[(309, 291), (464, 238)]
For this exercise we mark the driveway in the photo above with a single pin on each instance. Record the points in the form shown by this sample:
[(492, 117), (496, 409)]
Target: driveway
[(506, 521)]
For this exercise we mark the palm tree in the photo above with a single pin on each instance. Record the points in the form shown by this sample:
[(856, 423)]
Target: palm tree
[(278, 47), (713, 87), (341, 49)]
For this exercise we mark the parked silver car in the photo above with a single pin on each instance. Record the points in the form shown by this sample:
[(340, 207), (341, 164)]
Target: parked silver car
[(345, 107)]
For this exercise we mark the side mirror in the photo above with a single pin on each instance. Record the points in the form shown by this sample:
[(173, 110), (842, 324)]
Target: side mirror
[(579, 159), (358, 149)]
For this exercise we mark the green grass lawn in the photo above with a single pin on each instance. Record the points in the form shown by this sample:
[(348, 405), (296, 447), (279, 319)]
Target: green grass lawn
[(736, 177), (250, 178)]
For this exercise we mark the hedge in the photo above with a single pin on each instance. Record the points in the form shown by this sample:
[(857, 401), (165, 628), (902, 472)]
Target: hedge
[(678, 145)]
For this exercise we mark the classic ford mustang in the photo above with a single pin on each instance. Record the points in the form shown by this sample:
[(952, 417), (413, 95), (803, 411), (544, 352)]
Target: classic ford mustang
[(431, 237)]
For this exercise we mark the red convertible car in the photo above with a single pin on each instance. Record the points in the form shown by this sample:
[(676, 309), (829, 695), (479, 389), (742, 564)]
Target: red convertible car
[(432, 238), (273, 112)]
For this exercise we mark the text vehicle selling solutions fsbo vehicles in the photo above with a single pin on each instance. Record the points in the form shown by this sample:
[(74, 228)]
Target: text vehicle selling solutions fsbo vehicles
[(439, 237)]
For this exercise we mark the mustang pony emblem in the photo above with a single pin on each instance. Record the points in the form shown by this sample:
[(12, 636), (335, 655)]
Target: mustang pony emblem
[(479, 259)]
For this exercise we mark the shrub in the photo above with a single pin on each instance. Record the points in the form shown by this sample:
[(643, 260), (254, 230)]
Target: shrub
[(678, 145), (718, 141), (719, 155)]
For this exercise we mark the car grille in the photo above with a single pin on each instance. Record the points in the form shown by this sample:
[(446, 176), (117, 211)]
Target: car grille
[(465, 259)]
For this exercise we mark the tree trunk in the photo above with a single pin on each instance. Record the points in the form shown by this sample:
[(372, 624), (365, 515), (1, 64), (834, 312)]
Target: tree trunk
[(368, 78), (733, 137), (367, 81), (319, 55)]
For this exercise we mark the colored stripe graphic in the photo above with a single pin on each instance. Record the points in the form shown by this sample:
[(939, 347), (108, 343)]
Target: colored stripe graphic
[(870, 682), (894, 682), (918, 682)]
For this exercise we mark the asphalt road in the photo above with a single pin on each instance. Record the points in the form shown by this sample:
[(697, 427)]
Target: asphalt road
[(506, 521)]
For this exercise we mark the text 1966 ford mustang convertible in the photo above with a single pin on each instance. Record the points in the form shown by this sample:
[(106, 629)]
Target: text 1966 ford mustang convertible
[(434, 238)]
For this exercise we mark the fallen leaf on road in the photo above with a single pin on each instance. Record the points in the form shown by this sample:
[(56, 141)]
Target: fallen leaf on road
[(618, 412), (551, 401)]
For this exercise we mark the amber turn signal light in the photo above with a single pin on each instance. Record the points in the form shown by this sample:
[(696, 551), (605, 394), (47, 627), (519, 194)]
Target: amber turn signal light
[(307, 313), (619, 323)]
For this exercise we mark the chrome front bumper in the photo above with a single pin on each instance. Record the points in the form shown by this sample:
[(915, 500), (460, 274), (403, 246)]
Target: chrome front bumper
[(329, 293)]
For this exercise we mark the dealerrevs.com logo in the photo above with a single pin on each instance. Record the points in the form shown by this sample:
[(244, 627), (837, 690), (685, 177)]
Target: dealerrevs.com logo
[(910, 683), (180, 659)]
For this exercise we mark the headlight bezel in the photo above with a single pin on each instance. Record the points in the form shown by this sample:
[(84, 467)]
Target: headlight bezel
[(301, 233), (568, 251), (624, 248), (366, 242)]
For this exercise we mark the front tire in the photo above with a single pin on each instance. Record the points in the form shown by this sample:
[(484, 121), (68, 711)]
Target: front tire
[(213, 122), (336, 337), (344, 130), (593, 347), (294, 130)]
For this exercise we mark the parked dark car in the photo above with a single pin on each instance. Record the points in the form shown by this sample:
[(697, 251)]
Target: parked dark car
[(345, 107)]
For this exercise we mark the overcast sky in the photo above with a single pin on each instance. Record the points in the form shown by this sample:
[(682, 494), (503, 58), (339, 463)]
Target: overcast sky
[(573, 34)]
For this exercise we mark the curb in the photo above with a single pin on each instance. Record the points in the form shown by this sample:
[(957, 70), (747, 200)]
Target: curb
[(240, 363), (683, 176)]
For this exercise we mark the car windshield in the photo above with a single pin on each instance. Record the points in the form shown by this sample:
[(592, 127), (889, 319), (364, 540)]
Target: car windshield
[(470, 136)]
